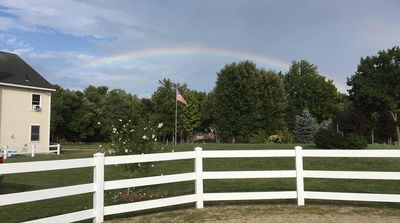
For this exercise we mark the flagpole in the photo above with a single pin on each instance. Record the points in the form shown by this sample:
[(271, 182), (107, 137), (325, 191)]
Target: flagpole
[(176, 114)]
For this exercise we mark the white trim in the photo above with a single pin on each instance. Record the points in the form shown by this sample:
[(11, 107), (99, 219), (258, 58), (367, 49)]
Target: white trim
[(29, 87), (49, 121), (30, 133)]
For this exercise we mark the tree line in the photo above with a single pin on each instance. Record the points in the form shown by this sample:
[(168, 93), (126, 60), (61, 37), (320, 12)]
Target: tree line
[(247, 104)]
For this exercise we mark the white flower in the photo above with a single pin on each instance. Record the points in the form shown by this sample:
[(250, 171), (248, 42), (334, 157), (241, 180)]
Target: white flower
[(100, 145), (145, 128), (126, 150), (160, 125), (144, 137), (120, 120), (99, 123), (114, 130), (153, 136), (124, 142), (132, 130)]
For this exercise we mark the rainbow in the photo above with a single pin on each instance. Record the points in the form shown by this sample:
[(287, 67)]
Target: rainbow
[(157, 52)]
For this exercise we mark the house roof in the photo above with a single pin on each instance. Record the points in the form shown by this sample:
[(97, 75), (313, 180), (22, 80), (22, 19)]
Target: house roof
[(16, 72)]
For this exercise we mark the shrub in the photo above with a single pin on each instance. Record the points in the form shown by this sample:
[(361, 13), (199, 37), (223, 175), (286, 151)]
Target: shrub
[(281, 136), (355, 141), (329, 139), (128, 139)]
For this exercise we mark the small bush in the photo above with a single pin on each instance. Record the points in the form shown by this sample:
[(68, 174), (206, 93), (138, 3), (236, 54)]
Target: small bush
[(329, 139), (281, 136), (355, 141)]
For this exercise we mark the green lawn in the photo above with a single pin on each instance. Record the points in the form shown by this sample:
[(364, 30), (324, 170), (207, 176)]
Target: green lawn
[(49, 179)]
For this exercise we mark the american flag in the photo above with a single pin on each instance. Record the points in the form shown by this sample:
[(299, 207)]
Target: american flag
[(180, 98)]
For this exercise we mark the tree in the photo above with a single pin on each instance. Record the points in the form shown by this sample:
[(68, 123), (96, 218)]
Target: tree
[(351, 122), (236, 100), (163, 105), (118, 105), (306, 88), (190, 114), (272, 102), (305, 127), (375, 87), (72, 116), (94, 98)]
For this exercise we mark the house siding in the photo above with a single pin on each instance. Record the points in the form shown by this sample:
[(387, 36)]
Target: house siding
[(17, 116)]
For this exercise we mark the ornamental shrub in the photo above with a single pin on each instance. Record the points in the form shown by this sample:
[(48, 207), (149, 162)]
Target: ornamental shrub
[(281, 136), (329, 139), (355, 141), (129, 139)]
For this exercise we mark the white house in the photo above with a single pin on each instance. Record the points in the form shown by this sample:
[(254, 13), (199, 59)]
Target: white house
[(25, 99)]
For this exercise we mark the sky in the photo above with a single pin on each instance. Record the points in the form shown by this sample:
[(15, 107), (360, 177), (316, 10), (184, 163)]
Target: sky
[(132, 44)]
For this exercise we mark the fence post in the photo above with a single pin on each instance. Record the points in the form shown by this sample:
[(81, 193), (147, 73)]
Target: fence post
[(58, 149), (98, 181), (33, 150), (299, 175), (5, 152), (198, 168)]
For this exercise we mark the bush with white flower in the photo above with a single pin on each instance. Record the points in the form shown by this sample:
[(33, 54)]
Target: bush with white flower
[(130, 139)]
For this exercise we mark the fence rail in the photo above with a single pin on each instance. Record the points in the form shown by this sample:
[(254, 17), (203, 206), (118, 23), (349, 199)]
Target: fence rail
[(6, 151), (99, 185)]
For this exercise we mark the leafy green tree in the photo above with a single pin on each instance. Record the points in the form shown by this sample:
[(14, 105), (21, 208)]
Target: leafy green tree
[(306, 88), (119, 105), (207, 112), (190, 114), (58, 122), (305, 127), (236, 100), (95, 94), (72, 116), (375, 87), (272, 104), (163, 104), (94, 98)]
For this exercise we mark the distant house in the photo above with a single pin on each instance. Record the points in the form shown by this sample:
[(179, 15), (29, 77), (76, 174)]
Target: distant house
[(25, 99)]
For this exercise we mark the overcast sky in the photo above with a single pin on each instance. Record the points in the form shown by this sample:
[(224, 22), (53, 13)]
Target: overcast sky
[(133, 44)]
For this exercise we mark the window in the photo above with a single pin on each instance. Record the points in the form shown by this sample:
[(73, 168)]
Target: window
[(35, 132), (35, 100)]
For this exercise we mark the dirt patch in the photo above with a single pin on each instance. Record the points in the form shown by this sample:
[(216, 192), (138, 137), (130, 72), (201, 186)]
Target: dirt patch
[(274, 214)]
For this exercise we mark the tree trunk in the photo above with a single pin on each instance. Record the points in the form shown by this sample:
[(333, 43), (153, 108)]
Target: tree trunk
[(394, 115), (233, 140), (398, 134), (372, 136)]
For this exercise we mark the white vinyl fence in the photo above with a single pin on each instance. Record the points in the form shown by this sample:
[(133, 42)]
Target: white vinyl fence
[(6, 151), (98, 162)]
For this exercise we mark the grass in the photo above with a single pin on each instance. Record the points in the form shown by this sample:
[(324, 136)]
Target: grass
[(50, 179)]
